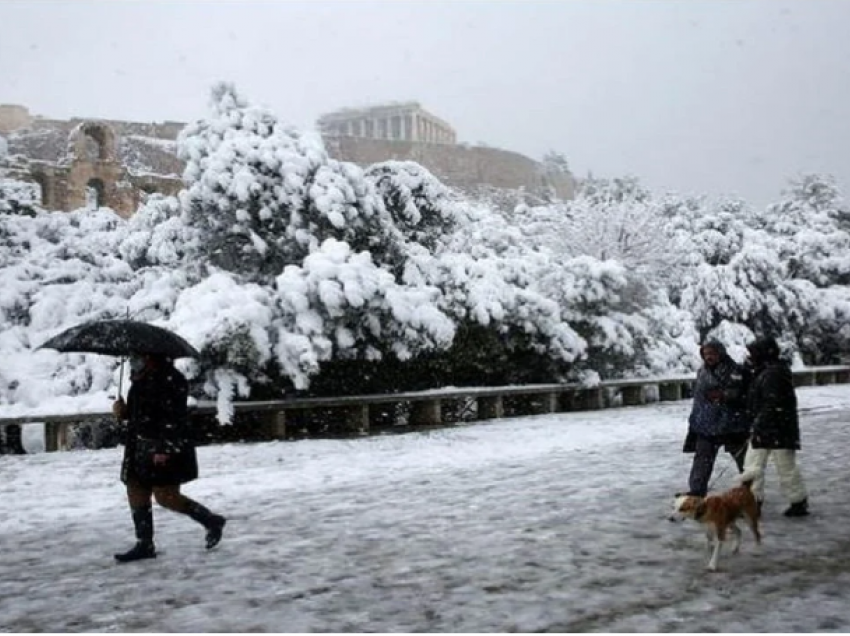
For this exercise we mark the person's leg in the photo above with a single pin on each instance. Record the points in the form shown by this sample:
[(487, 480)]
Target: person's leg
[(139, 499), (170, 497), (703, 464), (791, 482), (738, 450), (755, 462)]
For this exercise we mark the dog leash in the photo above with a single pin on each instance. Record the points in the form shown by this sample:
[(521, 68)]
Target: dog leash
[(735, 456)]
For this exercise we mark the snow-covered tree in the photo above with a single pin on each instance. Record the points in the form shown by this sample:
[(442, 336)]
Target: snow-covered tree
[(423, 209), (264, 195), (19, 197), (810, 225), (288, 269)]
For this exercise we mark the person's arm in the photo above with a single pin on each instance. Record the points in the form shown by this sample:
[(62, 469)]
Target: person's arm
[(735, 394)]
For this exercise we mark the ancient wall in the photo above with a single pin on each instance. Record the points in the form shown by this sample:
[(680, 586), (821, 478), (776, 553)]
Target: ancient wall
[(460, 166), (124, 161), (92, 162), (13, 117)]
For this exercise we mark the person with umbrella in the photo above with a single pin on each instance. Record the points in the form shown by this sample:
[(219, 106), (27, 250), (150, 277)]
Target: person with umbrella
[(159, 454)]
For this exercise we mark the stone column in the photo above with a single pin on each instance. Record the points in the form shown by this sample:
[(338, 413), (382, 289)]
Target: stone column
[(490, 407), (356, 419), (274, 424)]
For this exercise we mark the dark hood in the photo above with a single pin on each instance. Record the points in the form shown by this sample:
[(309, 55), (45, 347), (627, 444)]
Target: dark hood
[(763, 350), (718, 346)]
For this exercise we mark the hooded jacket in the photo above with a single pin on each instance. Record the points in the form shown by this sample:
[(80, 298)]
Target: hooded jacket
[(719, 406), (772, 400)]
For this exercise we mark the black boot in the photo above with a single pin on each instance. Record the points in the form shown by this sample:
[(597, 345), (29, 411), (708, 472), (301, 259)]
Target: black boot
[(144, 548), (799, 509), (212, 522), (138, 552)]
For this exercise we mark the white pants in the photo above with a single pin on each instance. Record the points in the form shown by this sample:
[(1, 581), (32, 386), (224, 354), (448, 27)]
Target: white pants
[(790, 480)]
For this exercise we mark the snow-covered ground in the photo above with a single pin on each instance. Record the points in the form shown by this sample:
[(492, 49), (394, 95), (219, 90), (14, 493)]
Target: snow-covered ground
[(550, 523)]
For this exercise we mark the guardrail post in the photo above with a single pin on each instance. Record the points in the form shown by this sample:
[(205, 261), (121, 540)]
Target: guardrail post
[(669, 392), (54, 436), (357, 419), (842, 377), (426, 413), (275, 424), (491, 407), (632, 395), (544, 403)]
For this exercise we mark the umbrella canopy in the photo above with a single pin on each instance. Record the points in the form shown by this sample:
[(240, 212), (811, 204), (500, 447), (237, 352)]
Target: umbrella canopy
[(121, 338)]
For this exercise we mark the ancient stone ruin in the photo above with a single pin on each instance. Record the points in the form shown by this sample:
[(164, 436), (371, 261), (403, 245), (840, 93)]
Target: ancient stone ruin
[(90, 163)]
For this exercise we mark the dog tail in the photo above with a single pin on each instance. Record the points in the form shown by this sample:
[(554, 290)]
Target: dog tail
[(749, 476)]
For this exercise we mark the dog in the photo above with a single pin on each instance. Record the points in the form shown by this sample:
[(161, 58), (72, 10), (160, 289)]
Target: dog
[(718, 514)]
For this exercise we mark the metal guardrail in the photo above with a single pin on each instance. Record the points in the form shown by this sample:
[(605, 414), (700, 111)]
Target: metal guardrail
[(356, 411)]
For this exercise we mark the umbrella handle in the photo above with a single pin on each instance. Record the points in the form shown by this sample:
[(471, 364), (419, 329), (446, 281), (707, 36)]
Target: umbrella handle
[(121, 379), (121, 371)]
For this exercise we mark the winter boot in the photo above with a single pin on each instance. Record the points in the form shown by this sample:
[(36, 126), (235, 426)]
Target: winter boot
[(138, 552), (144, 548), (212, 522), (14, 445), (799, 509)]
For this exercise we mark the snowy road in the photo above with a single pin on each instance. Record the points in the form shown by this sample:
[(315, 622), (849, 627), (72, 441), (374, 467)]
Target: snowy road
[(551, 523)]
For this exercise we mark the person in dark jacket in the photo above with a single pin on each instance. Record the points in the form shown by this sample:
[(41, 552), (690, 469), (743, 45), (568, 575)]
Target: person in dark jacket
[(159, 454), (772, 404), (718, 415)]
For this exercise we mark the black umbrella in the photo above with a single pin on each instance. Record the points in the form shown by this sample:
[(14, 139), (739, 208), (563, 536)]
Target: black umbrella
[(121, 338)]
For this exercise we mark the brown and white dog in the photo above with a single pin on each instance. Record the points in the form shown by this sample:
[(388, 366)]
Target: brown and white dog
[(718, 514)]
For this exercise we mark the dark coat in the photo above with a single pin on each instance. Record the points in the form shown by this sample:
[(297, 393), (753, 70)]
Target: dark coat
[(773, 407), (158, 423), (719, 405)]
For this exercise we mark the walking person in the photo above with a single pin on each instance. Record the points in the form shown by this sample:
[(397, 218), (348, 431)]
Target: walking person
[(718, 417), (772, 404), (159, 454)]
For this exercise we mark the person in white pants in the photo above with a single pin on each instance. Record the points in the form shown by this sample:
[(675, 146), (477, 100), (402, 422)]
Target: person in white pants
[(772, 405)]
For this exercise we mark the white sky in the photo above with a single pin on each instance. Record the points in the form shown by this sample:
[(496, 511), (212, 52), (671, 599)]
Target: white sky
[(695, 96)]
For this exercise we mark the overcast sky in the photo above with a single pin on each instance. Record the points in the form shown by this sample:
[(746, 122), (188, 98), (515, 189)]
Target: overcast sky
[(727, 96)]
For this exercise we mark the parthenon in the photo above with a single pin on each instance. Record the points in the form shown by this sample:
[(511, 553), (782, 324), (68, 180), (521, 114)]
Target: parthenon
[(405, 121)]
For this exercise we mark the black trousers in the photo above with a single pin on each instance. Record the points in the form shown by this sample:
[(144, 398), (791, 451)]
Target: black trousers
[(705, 454)]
